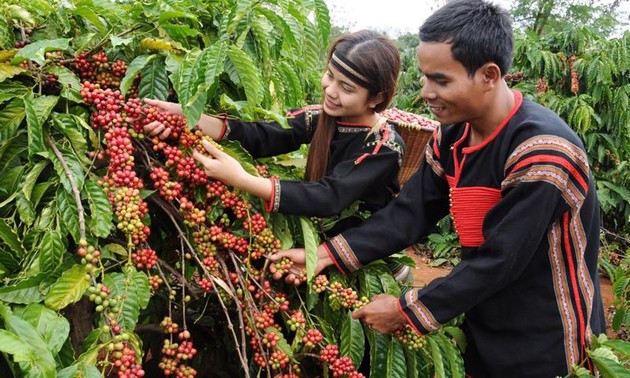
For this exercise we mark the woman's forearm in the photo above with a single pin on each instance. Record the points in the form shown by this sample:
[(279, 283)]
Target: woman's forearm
[(211, 126)]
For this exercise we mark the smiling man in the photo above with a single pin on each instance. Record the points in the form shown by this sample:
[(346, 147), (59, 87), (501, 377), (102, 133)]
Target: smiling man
[(516, 181)]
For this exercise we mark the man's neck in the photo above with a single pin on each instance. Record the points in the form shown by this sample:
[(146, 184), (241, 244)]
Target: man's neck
[(500, 107)]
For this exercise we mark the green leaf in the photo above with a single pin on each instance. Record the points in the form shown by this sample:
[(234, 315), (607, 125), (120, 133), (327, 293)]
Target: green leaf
[(134, 291), (311, 242), (133, 69), (46, 216), (42, 363), (452, 356), (436, 356), (9, 182), (7, 39), (35, 51), (67, 208), (609, 368), (235, 150), (458, 335), (37, 111), (100, 210), (247, 73), (11, 117), (51, 250), (352, 339), (117, 41), (79, 370), (281, 230), (88, 14), (75, 170), (53, 327), (379, 347), (281, 344), (11, 344), (24, 292), (69, 288), (25, 209), (396, 366), (7, 71), (11, 238), (70, 125), (31, 178), (187, 82), (154, 82), (19, 13), (71, 85), (620, 346)]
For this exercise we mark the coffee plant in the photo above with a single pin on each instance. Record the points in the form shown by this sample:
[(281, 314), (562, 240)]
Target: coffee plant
[(118, 256)]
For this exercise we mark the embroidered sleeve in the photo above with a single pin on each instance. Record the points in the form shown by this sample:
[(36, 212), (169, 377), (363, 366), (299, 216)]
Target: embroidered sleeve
[(552, 160), (270, 138), (421, 203)]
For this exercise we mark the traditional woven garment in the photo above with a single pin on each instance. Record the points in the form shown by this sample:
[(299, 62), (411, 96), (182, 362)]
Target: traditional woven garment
[(361, 166), (525, 207)]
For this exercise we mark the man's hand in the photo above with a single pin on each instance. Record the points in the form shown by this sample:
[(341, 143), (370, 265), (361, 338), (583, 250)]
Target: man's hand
[(381, 314)]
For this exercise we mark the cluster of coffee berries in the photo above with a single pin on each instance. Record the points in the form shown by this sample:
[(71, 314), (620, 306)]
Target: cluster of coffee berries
[(123, 358), (144, 258), (98, 70), (575, 78), (515, 76), (542, 86), (177, 356), (410, 338), (99, 295), (90, 256)]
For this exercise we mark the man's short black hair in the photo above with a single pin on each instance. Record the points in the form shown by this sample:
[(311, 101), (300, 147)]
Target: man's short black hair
[(480, 32)]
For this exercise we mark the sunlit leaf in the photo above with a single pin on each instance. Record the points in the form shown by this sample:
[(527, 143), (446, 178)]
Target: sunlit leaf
[(35, 51), (69, 288)]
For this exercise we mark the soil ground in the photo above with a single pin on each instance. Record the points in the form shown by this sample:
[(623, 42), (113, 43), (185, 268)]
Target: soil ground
[(424, 273)]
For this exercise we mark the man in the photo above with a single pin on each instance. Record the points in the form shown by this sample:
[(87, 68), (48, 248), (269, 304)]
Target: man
[(517, 184)]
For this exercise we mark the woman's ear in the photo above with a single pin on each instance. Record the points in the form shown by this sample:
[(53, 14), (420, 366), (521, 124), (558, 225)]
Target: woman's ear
[(375, 100)]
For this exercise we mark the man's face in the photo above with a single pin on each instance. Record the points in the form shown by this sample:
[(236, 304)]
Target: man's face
[(452, 95)]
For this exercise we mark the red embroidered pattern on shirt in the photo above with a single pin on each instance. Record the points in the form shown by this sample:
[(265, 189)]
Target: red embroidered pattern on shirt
[(469, 206)]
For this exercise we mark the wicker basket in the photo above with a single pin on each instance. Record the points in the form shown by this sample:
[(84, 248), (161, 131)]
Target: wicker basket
[(416, 135)]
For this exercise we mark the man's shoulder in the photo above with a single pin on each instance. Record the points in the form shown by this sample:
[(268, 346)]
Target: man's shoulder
[(534, 120)]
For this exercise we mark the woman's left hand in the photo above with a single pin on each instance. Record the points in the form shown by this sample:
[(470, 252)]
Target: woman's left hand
[(219, 165)]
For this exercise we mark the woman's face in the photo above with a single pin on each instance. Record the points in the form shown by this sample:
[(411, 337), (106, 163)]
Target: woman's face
[(345, 99)]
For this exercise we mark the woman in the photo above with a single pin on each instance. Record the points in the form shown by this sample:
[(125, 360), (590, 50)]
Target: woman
[(354, 153)]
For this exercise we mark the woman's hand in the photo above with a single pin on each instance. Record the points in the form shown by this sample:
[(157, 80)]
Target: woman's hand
[(169, 107), (157, 128), (296, 272), (221, 166), (298, 257)]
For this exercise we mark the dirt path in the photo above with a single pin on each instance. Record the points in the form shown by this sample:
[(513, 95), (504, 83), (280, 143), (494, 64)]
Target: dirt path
[(423, 274)]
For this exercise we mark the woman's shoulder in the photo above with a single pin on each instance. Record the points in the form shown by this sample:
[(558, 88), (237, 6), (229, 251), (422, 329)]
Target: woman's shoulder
[(307, 115)]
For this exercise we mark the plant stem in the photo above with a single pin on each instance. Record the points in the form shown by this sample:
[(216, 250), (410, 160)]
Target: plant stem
[(73, 184)]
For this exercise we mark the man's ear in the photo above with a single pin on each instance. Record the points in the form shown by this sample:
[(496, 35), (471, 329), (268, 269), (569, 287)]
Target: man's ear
[(490, 74), (375, 100)]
